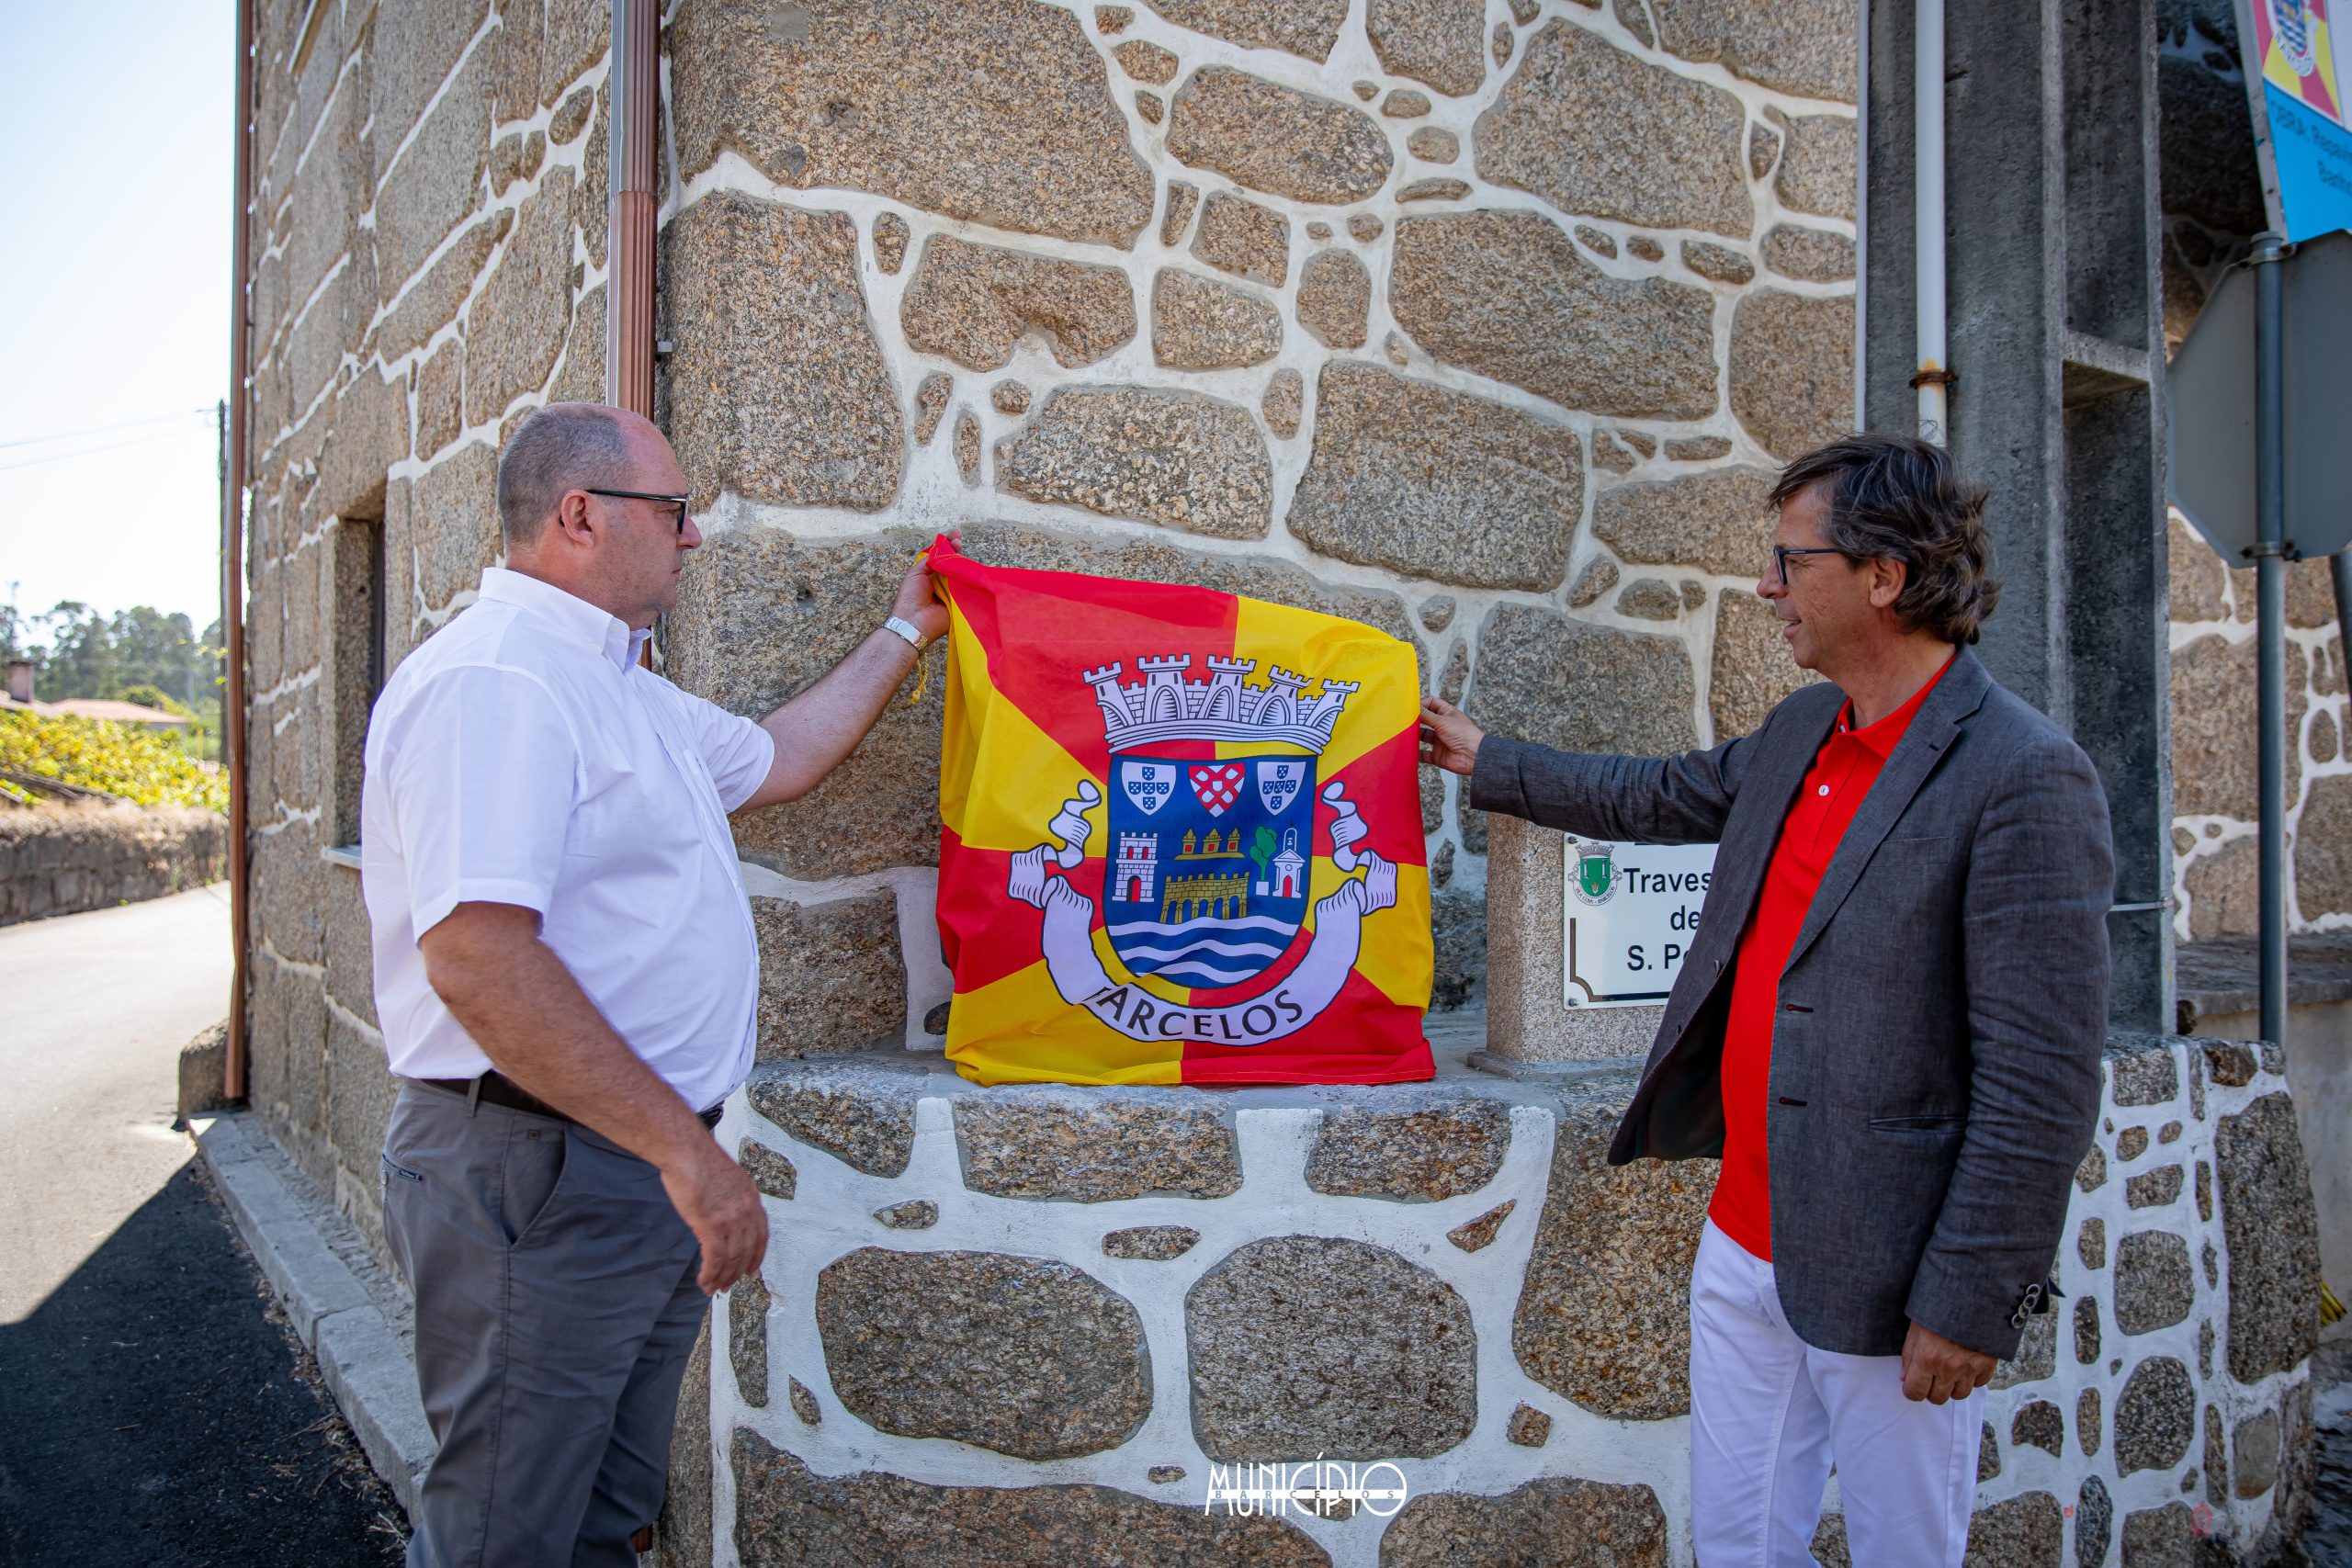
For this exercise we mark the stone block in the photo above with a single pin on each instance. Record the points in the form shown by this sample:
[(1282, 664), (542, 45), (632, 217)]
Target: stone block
[(1600, 133), (770, 1170), (516, 326), (2148, 1074), (747, 1339), (1792, 369), (2040, 1424), (2090, 1424), (2094, 1524), (1565, 684), (1200, 326), (1276, 139), (2323, 849), (1284, 404), (1418, 1155), (1507, 295), (1720, 521), (682, 1534), (1081, 1147), (1305, 27), (1146, 62), (2164, 1535), (370, 434), (2256, 1442), (1752, 671), (914, 1214), (1604, 1314), (1434, 482), (581, 379), (1720, 263), (1433, 146), (1182, 197), (436, 181), (1401, 1383), (1176, 458), (2152, 1189), (1817, 173), (2272, 1231), (1440, 42), (2025, 1531), (2087, 1330), (2233, 1066), (1476, 1235), (1023, 1356), (780, 394), (803, 1403), (440, 390), (2214, 762), (1009, 122), (967, 447), (1802, 47), (1551, 1523), (203, 1073), (453, 522), (786, 1513), (1815, 256), (1334, 298), (2155, 1415), (2036, 1356), (832, 978), (432, 301), (861, 1111), (974, 303), (411, 52), (1240, 237), (2153, 1285), (1152, 1244)]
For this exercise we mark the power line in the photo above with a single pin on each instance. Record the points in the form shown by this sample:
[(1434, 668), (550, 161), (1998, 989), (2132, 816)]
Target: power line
[(107, 429), (93, 451)]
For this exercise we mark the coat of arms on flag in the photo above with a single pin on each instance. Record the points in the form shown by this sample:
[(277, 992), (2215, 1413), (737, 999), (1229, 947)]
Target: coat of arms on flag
[(1182, 838)]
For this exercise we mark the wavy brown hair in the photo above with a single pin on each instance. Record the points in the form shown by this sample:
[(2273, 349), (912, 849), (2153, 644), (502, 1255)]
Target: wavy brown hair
[(1900, 498)]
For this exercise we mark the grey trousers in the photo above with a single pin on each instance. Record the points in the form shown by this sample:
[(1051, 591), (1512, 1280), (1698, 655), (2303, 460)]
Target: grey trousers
[(556, 1307)]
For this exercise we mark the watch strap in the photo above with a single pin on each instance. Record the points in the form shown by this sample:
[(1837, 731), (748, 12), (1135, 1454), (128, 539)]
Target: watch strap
[(905, 628)]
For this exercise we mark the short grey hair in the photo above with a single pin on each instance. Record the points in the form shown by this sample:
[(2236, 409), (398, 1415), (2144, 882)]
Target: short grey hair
[(561, 447)]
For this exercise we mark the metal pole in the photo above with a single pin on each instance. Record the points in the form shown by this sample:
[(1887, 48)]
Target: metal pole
[(233, 564), (1932, 372), (2270, 252)]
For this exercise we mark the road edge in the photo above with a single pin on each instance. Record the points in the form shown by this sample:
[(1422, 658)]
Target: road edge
[(363, 1361)]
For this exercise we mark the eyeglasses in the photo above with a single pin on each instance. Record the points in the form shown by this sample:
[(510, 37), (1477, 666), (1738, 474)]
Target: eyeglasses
[(1780, 554), (677, 500)]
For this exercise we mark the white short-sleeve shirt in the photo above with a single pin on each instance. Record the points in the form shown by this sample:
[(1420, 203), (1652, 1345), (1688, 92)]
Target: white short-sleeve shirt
[(521, 756)]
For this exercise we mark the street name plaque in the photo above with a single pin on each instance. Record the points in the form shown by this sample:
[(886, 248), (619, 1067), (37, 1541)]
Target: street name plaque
[(1632, 913)]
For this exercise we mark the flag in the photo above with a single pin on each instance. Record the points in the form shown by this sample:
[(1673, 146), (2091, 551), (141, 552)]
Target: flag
[(1181, 837)]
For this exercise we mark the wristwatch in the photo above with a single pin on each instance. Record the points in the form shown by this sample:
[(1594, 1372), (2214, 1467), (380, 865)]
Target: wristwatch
[(905, 628)]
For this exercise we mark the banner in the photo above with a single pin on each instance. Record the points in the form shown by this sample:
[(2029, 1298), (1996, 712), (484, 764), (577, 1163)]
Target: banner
[(2301, 126), (1181, 837)]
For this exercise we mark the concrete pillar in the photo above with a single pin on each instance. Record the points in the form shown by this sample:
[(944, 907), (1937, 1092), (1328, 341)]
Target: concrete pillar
[(2056, 336)]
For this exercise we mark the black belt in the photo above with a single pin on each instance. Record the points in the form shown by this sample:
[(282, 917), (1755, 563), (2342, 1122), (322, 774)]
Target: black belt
[(499, 1089)]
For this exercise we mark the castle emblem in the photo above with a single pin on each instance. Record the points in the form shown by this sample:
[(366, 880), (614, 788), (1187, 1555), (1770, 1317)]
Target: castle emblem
[(1207, 887)]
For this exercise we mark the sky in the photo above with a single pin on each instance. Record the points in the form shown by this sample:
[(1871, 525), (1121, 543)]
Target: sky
[(116, 128)]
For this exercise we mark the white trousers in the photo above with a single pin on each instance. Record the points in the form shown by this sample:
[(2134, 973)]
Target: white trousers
[(1770, 1416)]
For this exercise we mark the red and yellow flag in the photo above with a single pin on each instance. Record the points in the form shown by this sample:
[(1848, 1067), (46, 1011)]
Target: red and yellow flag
[(1181, 837)]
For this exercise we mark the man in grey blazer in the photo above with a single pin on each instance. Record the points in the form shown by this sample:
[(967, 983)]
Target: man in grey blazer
[(1888, 1026)]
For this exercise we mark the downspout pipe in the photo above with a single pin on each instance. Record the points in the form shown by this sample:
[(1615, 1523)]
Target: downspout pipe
[(1932, 376), (233, 565), (633, 206)]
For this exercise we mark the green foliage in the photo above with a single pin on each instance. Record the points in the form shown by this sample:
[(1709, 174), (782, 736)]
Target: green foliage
[(148, 696), (86, 654), (1262, 845), (120, 759)]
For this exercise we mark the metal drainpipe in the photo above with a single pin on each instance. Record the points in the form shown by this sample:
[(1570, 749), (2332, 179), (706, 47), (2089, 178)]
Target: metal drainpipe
[(633, 207), (232, 566), (1931, 377)]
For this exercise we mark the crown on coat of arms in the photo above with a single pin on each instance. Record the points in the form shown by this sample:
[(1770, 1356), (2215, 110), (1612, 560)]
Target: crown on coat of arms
[(1166, 707)]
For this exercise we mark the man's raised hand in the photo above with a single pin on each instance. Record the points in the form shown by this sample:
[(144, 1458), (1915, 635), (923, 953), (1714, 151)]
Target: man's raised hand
[(1449, 740)]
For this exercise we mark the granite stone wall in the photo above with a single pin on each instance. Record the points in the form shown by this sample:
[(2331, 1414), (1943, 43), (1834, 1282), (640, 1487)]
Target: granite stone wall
[(64, 860), (1025, 1320), (2213, 205)]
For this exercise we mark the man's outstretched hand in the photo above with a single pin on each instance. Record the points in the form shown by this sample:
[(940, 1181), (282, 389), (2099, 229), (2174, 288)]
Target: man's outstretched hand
[(1449, 740), (918, 599), (1936, 1370)]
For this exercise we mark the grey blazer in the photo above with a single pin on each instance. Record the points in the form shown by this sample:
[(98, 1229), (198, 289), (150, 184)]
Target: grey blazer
[(1935, 1071)]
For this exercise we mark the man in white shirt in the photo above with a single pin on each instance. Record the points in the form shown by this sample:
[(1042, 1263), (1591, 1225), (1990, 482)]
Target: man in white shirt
[(567, 977)]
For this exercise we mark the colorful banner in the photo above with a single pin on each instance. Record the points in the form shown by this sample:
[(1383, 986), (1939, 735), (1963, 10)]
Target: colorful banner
[(1181, 837), (2306, 140)]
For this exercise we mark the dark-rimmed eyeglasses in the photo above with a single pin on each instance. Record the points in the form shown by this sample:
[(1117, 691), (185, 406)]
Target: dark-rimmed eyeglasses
[(677, 500), (1780, 554)]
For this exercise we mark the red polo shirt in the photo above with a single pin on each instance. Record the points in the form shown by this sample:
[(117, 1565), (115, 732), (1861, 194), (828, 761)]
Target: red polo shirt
[(1842, 774)]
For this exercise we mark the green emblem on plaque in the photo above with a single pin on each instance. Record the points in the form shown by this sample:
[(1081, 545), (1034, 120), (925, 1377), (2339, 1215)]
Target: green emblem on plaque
[(1595, 870)]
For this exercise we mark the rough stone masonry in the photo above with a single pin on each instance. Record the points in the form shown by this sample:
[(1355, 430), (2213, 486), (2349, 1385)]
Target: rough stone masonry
[(1481, 320)]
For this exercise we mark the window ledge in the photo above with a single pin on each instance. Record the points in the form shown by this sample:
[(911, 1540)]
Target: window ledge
[(344, 855)]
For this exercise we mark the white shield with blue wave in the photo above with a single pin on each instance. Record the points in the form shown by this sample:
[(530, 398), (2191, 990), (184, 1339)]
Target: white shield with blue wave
[(1207, 870)]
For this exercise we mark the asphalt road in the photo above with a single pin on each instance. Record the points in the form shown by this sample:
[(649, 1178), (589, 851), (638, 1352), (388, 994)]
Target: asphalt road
[(156, 1411)]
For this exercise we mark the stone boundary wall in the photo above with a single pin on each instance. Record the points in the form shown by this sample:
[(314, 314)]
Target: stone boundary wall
[(1020, 1319), (63, 861)]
